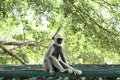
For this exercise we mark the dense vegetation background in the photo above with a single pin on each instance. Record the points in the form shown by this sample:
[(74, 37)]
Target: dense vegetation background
[(91, 30)]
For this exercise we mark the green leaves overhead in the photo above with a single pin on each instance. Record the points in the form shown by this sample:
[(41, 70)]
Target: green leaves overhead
[(90, 29)]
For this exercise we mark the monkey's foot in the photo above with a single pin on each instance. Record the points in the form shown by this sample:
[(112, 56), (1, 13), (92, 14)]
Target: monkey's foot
[(77, 72), (64, 70), (70, 70), (52, 73)]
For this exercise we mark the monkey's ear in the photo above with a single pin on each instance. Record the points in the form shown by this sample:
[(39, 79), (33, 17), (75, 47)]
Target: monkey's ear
[(53, 38)]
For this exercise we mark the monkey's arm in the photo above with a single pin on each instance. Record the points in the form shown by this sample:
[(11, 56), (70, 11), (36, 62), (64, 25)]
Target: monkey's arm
[(62, 54), (49, 52)]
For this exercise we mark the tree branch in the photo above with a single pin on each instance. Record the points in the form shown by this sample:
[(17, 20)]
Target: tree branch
[(57, 31), (12, 54), (27, 43), (18, 43), (96, 23)]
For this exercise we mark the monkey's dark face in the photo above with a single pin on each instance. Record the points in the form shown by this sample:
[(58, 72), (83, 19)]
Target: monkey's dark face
[(59, 40)]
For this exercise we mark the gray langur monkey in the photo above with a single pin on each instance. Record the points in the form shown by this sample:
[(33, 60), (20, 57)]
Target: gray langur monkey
[(51, 59)]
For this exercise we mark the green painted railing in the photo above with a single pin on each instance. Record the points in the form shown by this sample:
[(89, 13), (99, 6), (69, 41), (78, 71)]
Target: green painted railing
[(36, 72)]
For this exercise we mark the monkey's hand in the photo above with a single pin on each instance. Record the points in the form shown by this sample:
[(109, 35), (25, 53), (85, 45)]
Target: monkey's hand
[(77, 72), (64, 70), (70, 70), (52, 73)]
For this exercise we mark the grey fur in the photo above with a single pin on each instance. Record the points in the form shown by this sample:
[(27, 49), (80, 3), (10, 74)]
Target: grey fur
[(52, 62)]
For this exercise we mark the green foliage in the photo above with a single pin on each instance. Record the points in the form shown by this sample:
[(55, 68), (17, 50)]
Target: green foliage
[(90, 29)]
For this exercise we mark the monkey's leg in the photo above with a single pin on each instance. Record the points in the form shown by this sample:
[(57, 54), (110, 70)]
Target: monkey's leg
[(48, 66), (57, 64), (71, 69), (66, 65)]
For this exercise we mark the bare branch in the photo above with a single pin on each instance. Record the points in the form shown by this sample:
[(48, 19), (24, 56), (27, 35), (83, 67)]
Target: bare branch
[(18, 43), (36, 44), (57, 31), (96, 23), (12, 54)]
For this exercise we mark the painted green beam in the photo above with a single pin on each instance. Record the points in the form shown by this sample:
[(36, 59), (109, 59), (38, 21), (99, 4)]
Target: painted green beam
[(37, 71)]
